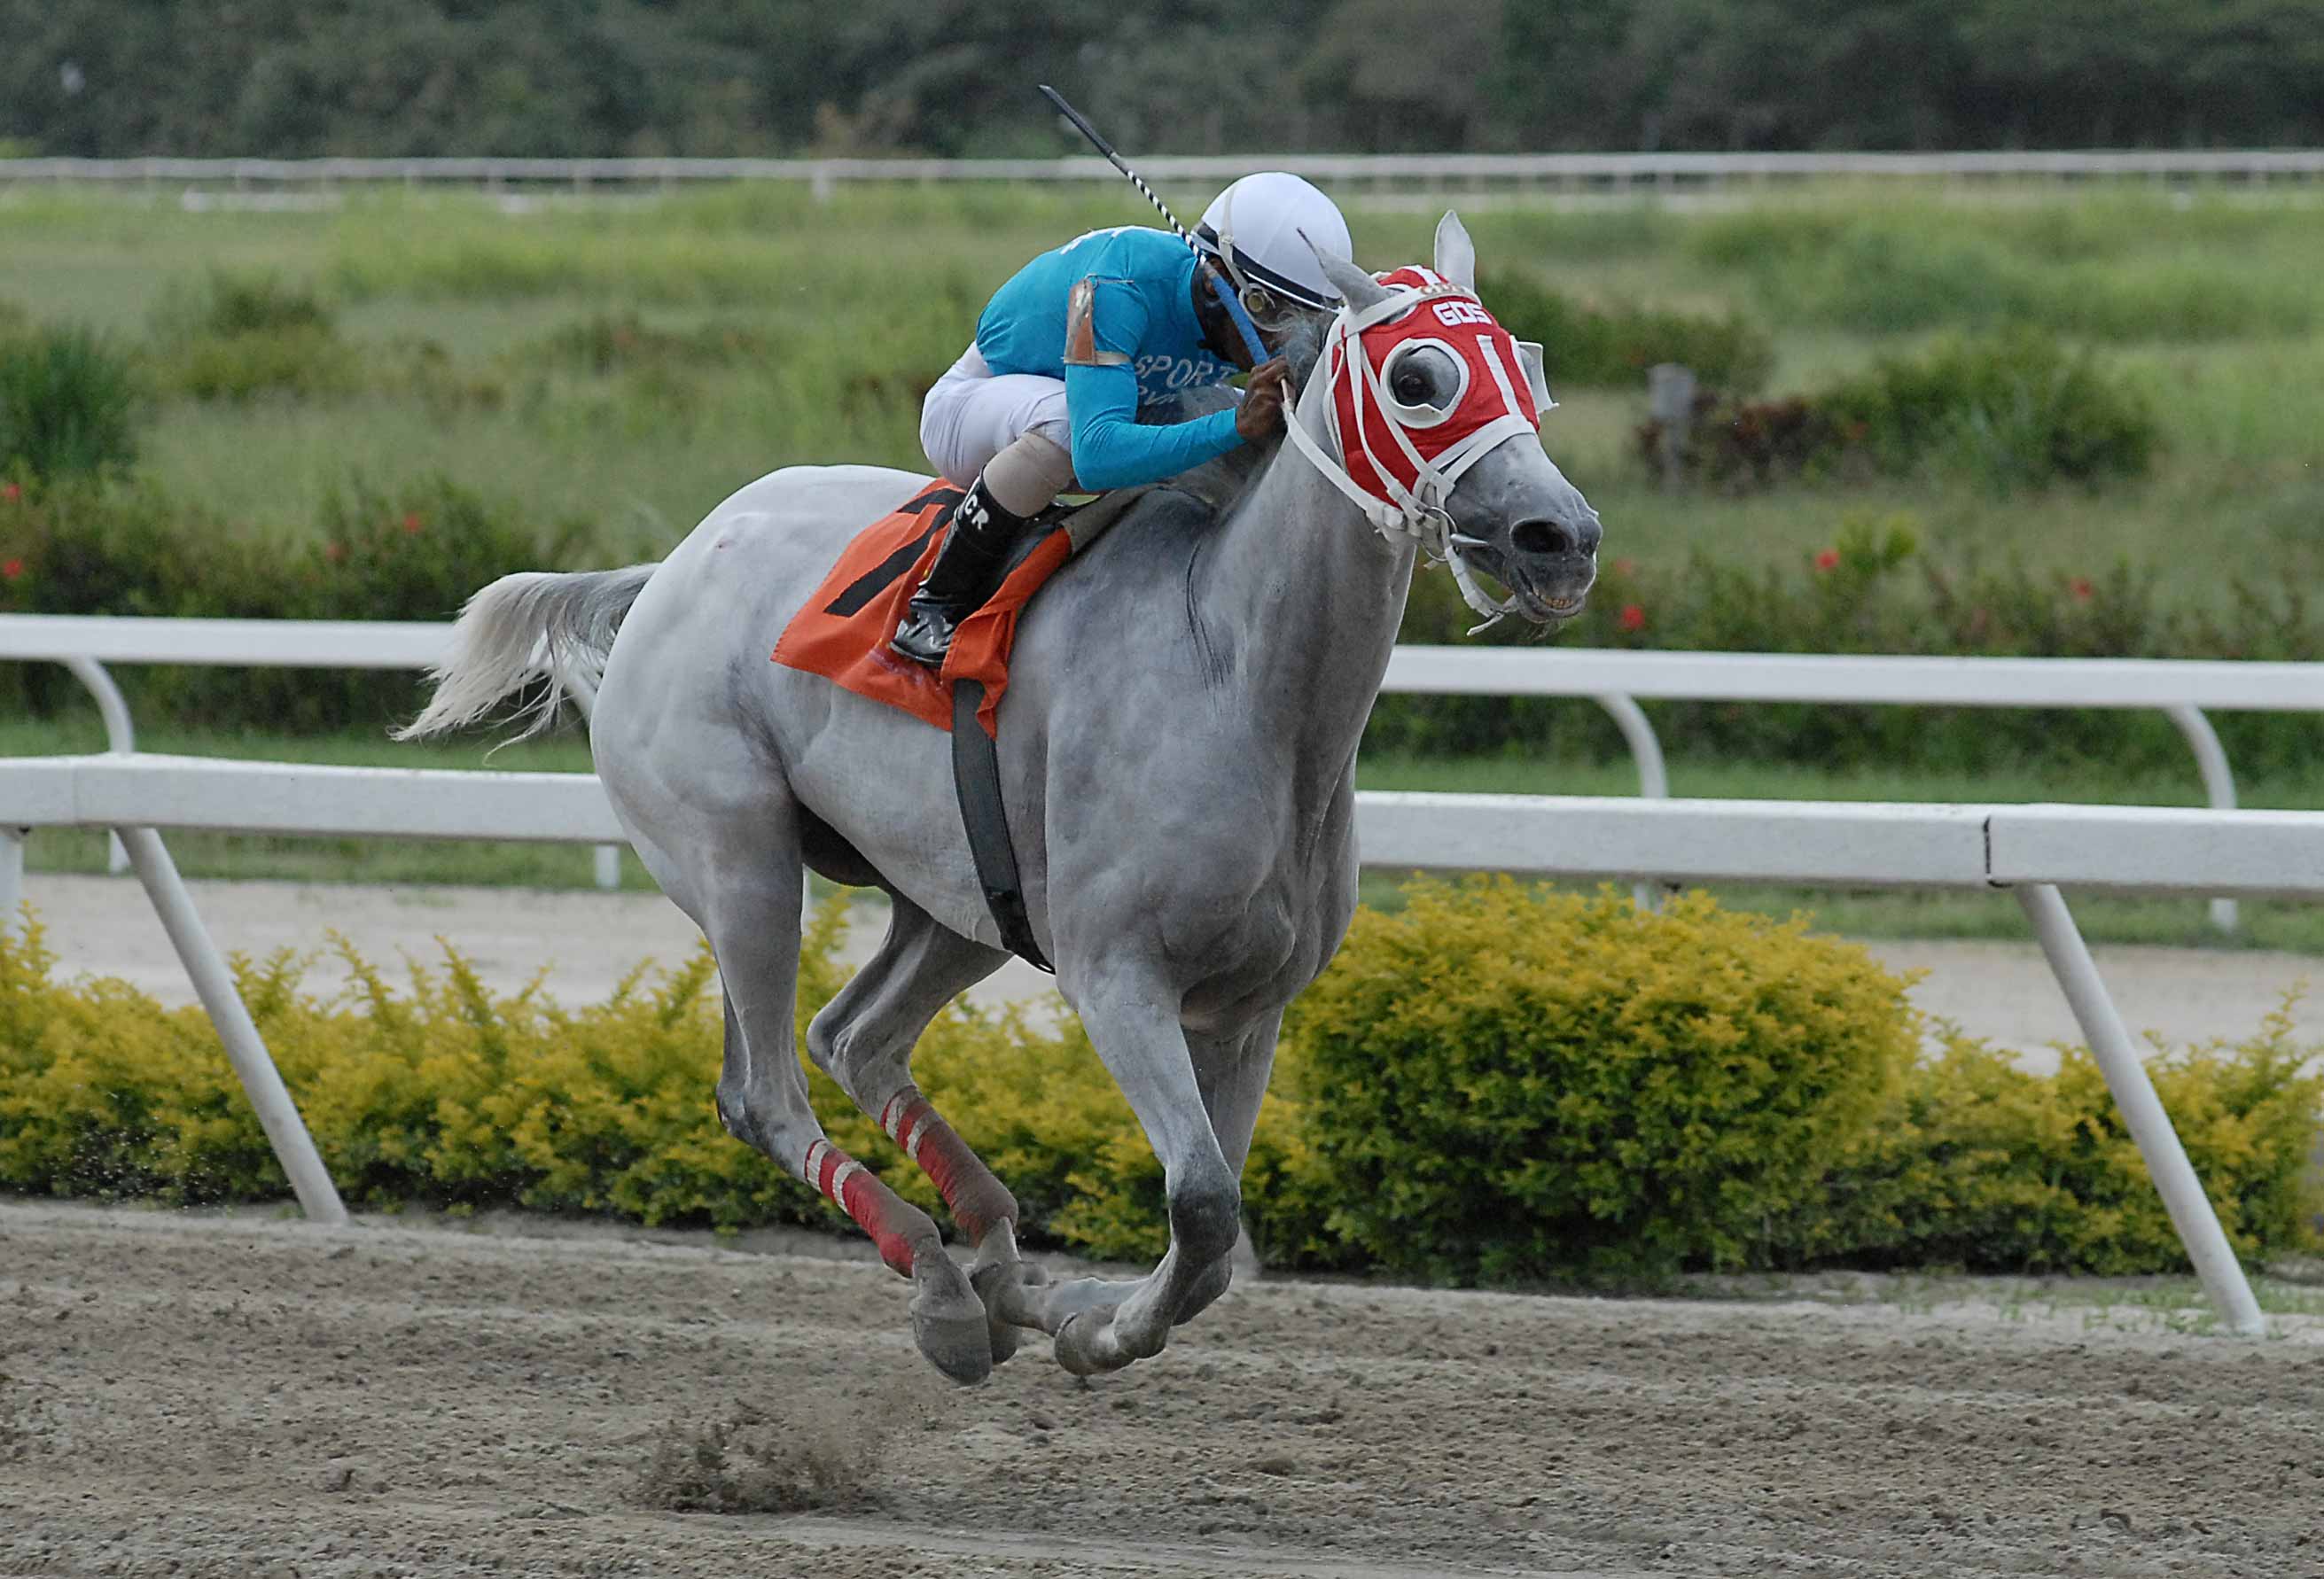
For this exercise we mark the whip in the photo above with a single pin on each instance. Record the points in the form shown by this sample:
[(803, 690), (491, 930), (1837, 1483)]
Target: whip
[(1227, 297)]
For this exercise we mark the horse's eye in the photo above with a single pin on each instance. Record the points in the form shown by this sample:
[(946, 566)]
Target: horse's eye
[(1424, 378)]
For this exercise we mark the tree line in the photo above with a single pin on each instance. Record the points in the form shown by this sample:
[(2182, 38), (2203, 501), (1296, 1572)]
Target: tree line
[(572, 77)]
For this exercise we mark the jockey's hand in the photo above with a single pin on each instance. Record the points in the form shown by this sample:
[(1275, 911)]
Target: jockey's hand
[(1261, 411)]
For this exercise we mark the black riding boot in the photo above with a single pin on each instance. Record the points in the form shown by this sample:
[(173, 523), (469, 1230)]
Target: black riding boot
[(967, 571)]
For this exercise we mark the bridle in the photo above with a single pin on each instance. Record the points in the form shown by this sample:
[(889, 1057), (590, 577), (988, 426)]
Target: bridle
[(1416, 513)]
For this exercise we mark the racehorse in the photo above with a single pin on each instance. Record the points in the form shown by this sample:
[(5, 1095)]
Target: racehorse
[(1177, 750)]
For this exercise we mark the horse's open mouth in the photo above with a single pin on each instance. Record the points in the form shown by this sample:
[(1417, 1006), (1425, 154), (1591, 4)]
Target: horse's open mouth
[(1549, 608), (1528, 601)]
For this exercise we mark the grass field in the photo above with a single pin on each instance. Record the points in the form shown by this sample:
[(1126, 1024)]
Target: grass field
[(2209, 301)]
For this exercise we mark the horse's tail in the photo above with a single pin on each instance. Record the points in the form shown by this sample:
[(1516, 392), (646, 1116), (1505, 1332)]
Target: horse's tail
[(533, 627)]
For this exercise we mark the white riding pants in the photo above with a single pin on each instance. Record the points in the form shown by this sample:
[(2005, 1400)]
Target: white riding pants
[(973, 413)]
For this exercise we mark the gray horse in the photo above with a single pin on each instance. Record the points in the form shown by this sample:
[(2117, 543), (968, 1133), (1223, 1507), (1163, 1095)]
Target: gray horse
[(1177, 753)]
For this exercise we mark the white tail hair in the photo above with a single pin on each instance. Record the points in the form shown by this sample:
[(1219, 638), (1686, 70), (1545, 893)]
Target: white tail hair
[(533, 627)]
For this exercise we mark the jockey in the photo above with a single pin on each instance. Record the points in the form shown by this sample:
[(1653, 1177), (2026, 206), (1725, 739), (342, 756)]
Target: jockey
[(1078, 343)]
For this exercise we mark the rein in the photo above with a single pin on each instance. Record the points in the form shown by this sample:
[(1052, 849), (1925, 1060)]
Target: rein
[(1417, 513)]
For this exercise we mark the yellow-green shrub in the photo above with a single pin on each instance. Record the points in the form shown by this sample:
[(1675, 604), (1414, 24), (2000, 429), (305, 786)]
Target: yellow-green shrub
[(1494, 1082), (1984, 1165), (1521, 1081), (448, 1093)]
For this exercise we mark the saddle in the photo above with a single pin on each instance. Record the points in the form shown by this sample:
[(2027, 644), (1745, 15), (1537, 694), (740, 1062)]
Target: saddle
[(841, 633)]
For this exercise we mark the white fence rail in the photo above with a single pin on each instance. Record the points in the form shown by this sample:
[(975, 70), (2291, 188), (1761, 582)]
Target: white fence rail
[(1613, 170), (2032, 849), (1616, 680)]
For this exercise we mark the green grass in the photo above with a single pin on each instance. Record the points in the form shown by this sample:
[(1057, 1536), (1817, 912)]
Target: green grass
[(2269, 924), (2210, 303)]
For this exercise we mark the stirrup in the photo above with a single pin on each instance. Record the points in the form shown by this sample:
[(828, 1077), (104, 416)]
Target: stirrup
[(925, 635)]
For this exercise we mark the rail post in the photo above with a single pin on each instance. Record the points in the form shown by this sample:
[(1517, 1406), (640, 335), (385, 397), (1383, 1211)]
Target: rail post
[(2218, 783), (286, 1132), (2221, 1275), (1646, 751), (120, 735)]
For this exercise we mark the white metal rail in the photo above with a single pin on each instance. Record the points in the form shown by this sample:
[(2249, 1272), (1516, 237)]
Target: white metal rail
[(85, 643), (2031, 850), (1617, 170), (1615, 679)]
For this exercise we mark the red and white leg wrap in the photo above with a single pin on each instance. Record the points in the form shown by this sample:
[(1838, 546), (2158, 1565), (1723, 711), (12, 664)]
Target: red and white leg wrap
[(877, 1210), (977, 1199)]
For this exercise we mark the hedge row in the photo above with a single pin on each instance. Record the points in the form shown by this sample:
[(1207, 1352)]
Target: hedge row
[(2012, 411), (1494, 1083), (416, 553)]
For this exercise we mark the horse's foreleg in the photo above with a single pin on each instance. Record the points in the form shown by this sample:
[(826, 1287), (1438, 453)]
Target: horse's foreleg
[(1233, 1070), (1133, 1023), (762, 1097)]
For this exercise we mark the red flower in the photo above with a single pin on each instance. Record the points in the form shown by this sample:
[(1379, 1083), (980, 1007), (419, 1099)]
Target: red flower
[(10, 492), (2081, 589), (1828, 560), (10, 569), (336, 552), (412, 524), (1632, 618)]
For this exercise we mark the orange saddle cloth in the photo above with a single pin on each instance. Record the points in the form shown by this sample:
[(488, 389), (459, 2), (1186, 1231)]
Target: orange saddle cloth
[(842, 631)]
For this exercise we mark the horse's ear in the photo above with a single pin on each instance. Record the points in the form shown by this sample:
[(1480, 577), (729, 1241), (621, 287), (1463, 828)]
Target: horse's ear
[(1456, 254), (1357, 289)]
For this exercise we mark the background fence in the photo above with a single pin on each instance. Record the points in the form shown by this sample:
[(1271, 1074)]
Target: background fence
[(1606, 172)]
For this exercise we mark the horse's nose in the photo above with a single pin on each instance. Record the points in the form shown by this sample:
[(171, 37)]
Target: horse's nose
[(1543, 536)]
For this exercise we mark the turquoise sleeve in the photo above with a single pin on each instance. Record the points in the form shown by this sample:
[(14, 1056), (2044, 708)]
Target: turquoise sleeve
[(1112, 449)]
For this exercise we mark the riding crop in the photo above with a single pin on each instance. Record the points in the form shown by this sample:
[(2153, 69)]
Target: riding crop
[(1227, 298)]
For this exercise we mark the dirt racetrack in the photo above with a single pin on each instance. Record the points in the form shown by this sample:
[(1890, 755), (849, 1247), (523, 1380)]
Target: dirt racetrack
[(247, 1396)]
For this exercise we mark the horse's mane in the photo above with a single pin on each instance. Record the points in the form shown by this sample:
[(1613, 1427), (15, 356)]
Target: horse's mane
[(1222, 482)]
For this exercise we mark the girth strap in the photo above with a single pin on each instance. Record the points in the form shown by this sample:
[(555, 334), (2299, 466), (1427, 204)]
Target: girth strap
[(976, 776)]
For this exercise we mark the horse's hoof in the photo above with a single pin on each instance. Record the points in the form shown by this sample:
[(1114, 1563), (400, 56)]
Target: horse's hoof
[(949, 1322), (989, 1281), (1085, 1346)]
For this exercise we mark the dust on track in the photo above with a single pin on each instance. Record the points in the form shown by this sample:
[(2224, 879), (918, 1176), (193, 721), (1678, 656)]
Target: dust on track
[(228, 1396)]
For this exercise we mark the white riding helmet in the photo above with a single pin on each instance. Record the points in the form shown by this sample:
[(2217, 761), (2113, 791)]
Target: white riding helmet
[(1253, 228)]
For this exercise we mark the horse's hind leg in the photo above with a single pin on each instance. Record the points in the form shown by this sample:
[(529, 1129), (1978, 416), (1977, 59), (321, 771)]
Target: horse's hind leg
[(863, 1039), (751, 911)]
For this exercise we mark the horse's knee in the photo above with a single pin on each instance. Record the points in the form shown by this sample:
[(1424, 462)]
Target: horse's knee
[(1206, 1219)]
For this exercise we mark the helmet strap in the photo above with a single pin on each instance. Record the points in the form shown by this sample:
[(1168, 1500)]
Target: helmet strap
[(1230, 301)]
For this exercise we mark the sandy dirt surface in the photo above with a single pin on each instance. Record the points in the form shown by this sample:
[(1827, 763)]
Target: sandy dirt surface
[(250, 1397), (2002, 991)]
